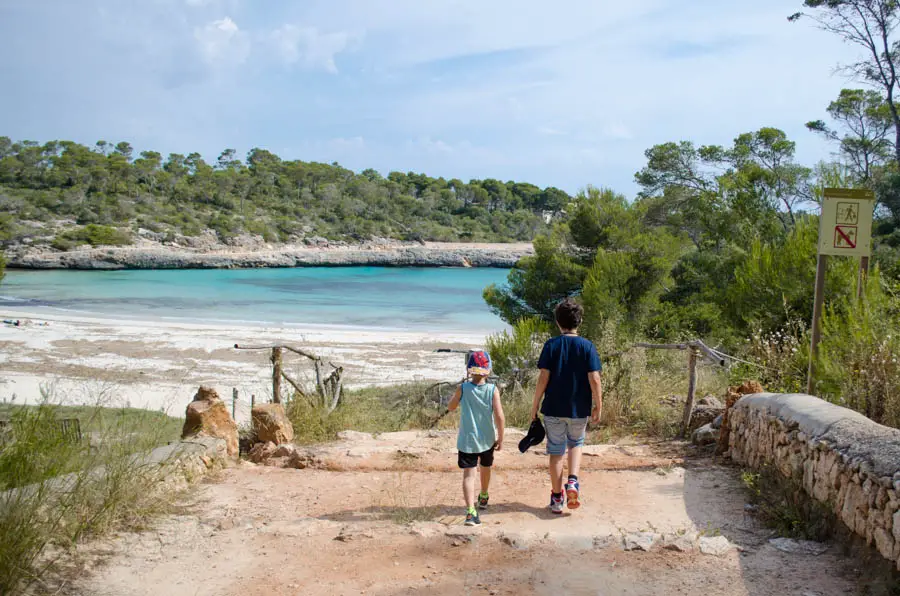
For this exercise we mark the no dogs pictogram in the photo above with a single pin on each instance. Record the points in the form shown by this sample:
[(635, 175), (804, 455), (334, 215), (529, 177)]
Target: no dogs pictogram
[(845, 237)]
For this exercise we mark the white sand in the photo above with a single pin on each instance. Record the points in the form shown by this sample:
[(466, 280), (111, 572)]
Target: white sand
[(159, 365)]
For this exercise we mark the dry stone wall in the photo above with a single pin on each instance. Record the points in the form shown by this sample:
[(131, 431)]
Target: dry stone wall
[(839, 457)]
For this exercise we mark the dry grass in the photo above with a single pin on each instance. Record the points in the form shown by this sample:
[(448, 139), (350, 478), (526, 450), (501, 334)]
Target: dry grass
[(57, 491), (406, 500)]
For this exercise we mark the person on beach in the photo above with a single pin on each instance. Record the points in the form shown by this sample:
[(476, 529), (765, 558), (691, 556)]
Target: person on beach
[(569, 381), (481, 423)]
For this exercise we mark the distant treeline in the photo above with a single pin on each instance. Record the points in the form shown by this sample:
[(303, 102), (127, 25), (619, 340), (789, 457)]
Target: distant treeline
[(107, 185)]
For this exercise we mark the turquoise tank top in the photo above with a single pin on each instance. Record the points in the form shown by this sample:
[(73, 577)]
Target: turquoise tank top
[(477, 432)]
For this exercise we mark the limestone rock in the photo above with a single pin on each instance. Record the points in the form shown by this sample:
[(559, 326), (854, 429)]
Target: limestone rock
[(716, 545), (352, 435), (304, 459), (710, 401), (426, 529), (703, 415), (683, 543), (271, 424), (262, 452), (641, 541), (802, 547), (208, 416), (705, 435)]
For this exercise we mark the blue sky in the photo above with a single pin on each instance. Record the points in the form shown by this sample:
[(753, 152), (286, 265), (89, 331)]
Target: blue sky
[(457, 88)]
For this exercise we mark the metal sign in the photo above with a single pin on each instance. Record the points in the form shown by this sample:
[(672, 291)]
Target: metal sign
[(845, 227)]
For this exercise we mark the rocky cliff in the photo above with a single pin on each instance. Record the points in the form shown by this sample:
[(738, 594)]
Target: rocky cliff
[(177, 257)]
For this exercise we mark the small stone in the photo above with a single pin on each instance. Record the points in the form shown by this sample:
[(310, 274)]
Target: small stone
[(800, 547), (716, 545), (641, 541), (683, 543)]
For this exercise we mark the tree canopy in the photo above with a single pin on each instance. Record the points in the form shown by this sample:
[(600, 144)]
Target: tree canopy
[(109, 185)]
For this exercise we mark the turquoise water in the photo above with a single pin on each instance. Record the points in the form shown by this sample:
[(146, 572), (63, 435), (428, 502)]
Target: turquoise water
[(393, 298)]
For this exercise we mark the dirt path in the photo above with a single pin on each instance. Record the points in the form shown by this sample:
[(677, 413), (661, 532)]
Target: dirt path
[(376, 523)]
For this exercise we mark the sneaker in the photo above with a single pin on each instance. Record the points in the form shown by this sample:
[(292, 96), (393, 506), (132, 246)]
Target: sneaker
[(556, 503), (483, 501), (572, 494), (472, 519)]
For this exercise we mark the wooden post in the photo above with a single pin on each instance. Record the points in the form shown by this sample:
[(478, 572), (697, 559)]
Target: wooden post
[(692, 388), (816, 335), (276, 375), (863, 276), (252, 401), (234, 398)]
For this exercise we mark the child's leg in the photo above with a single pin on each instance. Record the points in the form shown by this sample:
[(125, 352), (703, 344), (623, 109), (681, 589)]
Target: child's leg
[(577, 428), (556, 473), (556, 447), (485, 479), (469, 487)]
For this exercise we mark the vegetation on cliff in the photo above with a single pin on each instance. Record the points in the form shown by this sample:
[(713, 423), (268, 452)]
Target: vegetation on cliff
[(115, 192)]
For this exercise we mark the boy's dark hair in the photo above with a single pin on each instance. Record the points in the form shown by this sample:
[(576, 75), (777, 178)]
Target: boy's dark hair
[(569, 314)]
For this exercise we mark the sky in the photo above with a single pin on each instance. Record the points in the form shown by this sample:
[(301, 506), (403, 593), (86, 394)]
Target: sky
[(563, 95)]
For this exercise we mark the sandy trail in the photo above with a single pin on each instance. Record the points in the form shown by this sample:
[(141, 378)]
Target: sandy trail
[(346, 530), (159, 365)]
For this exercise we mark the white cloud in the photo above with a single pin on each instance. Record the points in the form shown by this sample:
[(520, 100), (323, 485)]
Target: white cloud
[(309, 48), (222, 42)]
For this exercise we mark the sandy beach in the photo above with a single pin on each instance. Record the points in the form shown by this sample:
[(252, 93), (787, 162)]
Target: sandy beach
[(159, 364)]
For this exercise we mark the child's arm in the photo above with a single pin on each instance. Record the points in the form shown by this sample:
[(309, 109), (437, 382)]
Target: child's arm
[(597, 393), (499, 418), (454, 401), (543, 380)]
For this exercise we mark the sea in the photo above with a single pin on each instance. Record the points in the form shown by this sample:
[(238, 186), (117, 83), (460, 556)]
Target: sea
[(411, 298)]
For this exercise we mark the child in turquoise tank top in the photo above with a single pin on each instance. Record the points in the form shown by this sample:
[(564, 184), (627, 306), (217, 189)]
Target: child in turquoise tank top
[(481, 424)]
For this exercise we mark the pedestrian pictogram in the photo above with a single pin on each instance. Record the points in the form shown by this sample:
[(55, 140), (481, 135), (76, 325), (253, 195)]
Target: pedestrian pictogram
[(847, 213), (845, 237)]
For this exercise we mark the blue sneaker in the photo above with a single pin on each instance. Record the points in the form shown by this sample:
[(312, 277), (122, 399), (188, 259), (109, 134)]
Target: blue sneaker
[(572, 494), (556, 503), (472, 518)]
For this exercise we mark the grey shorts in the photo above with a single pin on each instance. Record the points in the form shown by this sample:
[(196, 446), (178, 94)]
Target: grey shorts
[(564, 432)]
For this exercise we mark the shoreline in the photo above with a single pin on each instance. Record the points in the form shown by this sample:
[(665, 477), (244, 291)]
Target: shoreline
[(159, 365), (152, 255)]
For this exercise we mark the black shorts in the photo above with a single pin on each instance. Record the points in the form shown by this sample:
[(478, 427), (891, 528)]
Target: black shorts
[(471, 460)]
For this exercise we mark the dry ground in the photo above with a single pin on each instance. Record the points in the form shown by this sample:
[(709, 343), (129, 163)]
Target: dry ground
[(385, 519)]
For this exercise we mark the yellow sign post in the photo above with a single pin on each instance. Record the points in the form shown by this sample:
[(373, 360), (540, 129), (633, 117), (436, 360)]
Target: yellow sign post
[(845, 229)]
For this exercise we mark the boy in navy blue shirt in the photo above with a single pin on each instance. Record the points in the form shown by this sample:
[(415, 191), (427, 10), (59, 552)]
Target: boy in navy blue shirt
[(569, 382)]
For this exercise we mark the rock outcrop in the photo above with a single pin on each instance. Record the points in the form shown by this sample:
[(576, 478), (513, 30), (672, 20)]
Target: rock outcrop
[(221, 257), (706, 410), (207, 416), (271, 424)]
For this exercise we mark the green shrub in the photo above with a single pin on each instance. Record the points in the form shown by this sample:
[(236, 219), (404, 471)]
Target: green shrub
[(51, 495), (859, 357), (93, 234), (519, 348)]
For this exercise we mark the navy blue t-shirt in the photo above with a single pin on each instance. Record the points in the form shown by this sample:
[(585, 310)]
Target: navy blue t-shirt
[(569, 359)]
